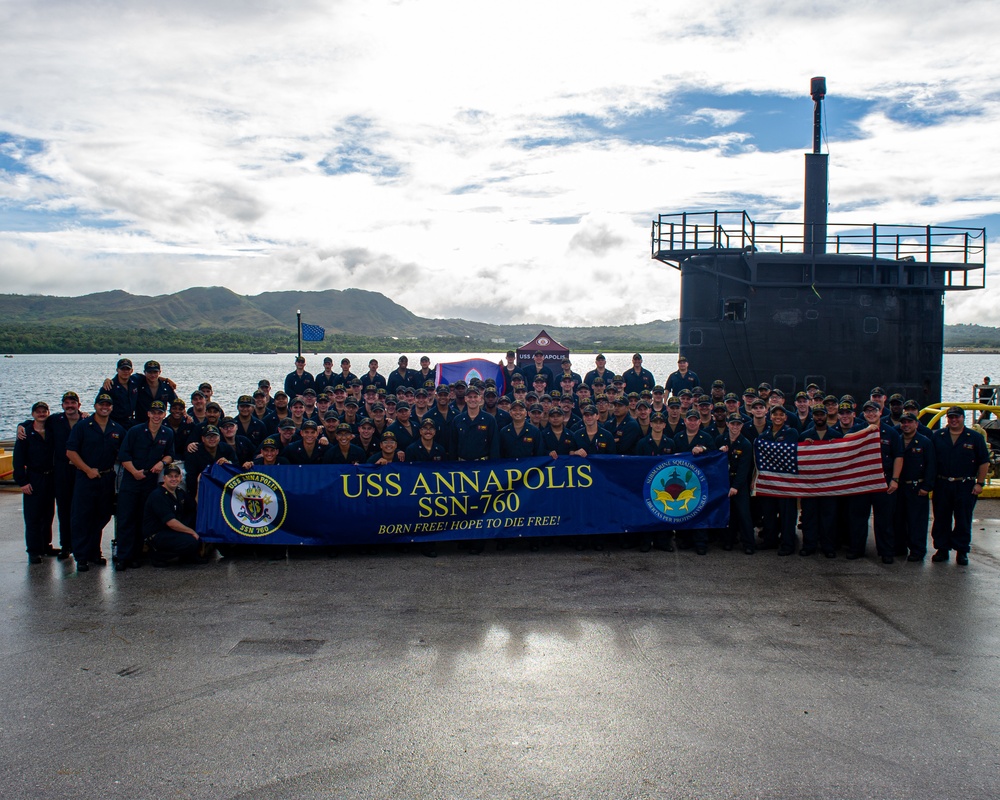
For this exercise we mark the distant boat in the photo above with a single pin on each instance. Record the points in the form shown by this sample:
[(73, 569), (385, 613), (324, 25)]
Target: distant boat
[(8, 356)]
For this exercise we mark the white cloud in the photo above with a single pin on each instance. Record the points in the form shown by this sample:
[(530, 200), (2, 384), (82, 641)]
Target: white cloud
[(719, 117), (376, 144)]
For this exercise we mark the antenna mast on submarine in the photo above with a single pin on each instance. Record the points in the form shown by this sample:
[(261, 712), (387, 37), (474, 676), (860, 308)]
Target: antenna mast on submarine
[(817, 169)]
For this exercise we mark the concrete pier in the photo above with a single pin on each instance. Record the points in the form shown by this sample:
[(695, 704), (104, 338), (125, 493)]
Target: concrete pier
[(557, 674)]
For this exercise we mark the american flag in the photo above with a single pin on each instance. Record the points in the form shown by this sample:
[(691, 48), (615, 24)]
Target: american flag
[(832, 467)]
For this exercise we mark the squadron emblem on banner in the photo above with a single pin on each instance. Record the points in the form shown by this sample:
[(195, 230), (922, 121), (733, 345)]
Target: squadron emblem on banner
[(253, 504), (676, 490)]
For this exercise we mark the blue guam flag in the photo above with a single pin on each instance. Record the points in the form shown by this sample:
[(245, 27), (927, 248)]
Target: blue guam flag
[(469, 369), (507, 498), (312, 333)]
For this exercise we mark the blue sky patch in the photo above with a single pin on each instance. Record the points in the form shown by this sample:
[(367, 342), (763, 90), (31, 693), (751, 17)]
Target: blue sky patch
[(357, 152), (765, 122), (15, 150), (22, 218)]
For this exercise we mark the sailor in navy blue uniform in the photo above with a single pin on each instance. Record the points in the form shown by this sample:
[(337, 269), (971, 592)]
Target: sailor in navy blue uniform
[(402, 376), (879, 505), (846, 419), (520, 439), (123, 391), (473, 432), (247, 424), (877, 396), (509, 369), (536, 368), (491, 400), (779, 513), (683, 378), (538, 388), (592, 438), (149, 388), (33, 473), (425, 449), (623, 428), (675, 418), (366, 437), (802, 419), (183, 429), (566, 371), (327, 379), (739, 451), (92, 448), (638, 378), (916, 481), (656, 442), (695, 440), (63, 473), (963, 459), (442, 413), (146, 449), (269, 455), (732, 404), (403, 427), (819, 514), (306, 450), (213, 416), (373, 377), (209, 450), (556, 439), (600, 371), (164, 524), (913, 407), (424, 376), (310, 409), (895, 409), (298, 380), (342, 450), (388, 451), (244, 448), (346, 377), (567, 387)]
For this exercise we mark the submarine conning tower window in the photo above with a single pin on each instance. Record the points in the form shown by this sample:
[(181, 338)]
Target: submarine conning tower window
[(734, 309)]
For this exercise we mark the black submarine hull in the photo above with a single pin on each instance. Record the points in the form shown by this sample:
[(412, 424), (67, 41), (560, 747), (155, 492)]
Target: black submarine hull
[(791, 320)]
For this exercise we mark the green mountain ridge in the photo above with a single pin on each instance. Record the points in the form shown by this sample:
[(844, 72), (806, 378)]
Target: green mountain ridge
[(217, 318), (354, 312)]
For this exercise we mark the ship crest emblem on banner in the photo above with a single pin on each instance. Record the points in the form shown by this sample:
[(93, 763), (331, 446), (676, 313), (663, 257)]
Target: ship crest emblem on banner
[(676, 491), (253, 504)]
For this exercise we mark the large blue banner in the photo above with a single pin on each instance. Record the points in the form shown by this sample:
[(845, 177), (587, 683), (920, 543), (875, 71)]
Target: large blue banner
[(334, 505)]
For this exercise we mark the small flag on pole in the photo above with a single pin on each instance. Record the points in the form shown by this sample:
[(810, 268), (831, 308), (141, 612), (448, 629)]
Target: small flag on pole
[(312, 333)]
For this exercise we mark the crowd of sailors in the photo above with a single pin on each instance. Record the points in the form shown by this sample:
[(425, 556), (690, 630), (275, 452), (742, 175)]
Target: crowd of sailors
[(139, 454)]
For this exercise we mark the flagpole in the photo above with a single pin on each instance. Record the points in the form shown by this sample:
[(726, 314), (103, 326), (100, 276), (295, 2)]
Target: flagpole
[(298, 328)]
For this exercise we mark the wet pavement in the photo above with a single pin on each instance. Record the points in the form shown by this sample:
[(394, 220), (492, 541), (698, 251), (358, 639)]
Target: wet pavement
[(613, 674)]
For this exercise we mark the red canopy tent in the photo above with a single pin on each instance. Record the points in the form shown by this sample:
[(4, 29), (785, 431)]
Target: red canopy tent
[(554, 352)]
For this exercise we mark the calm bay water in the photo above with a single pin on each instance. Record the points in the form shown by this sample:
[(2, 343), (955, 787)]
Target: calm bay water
[(25, 379)]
